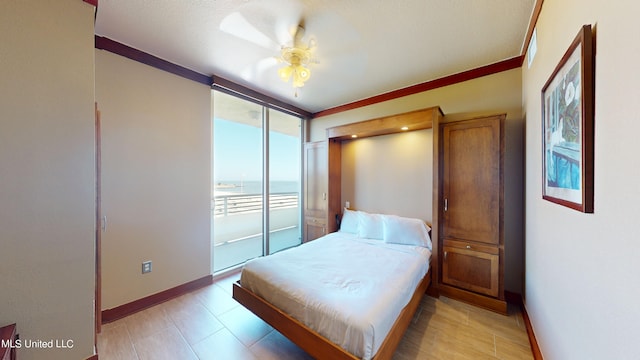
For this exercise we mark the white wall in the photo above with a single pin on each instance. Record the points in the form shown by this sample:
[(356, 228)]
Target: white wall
[(47, 174), (156, 171), (582, 286)]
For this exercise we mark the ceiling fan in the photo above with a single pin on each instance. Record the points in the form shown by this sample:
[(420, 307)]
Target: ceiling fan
[(298, 42), (297, 59)]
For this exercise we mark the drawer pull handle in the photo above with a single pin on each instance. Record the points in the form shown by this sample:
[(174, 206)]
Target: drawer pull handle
[(468, 246)]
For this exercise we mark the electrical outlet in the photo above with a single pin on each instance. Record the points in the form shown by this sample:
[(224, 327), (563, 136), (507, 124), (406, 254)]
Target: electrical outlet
[(146, 267)]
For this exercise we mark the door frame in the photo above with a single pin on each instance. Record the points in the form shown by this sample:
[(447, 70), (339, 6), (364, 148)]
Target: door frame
[(98, 239)]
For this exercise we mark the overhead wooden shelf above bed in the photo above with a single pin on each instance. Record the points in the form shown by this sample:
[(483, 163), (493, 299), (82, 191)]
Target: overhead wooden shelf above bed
[(409, 121)]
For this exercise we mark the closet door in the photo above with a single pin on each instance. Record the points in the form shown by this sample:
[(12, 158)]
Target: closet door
[(471, 180), (315, 189), (322, 195)]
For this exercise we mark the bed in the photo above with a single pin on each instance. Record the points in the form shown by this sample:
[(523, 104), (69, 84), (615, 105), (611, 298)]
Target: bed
[(348, 295)]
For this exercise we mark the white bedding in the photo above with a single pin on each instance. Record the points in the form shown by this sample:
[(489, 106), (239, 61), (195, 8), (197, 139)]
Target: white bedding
[(348, 289)]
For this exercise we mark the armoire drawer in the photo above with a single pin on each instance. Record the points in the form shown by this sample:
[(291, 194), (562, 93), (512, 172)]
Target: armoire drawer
[(314, 228), (471, 269)]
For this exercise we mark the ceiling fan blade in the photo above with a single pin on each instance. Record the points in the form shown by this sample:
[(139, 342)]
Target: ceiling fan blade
[(235, 24), (260, 69), (290, 16)]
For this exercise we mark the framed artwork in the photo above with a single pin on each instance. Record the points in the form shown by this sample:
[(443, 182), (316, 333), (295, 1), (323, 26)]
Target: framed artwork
[(567, 127)]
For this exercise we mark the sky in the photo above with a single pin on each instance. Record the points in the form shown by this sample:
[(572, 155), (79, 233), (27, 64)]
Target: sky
[(237, 151)]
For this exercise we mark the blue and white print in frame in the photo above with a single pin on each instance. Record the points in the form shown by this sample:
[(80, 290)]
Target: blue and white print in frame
[(567, 127)]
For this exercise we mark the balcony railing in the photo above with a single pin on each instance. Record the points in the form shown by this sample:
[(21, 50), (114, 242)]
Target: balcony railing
[(224, 205), (238, 226)]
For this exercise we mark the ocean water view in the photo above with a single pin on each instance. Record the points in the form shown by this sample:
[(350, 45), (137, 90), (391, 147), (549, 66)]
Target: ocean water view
[(235, 187)]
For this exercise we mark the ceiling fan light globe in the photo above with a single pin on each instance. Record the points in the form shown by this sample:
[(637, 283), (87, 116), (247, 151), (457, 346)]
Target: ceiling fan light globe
[(303, 73), (285, 72)]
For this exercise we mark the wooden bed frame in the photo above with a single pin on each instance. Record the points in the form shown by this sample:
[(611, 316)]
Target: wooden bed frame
[(315, 344)]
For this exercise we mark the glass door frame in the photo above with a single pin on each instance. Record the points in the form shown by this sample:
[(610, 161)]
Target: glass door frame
[(266, 181)]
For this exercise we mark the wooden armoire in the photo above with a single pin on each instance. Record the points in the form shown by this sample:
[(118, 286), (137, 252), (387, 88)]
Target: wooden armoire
[(470, 209)]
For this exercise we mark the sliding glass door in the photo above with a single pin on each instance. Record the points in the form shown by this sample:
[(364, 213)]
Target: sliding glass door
[(284, 181), (256, 166), (237, 181)]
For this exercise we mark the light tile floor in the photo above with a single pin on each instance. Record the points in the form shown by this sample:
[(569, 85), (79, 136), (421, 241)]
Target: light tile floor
[(209, 324)]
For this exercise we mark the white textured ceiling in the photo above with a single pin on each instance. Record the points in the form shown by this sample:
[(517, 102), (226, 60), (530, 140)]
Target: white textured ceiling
[(363, 47)]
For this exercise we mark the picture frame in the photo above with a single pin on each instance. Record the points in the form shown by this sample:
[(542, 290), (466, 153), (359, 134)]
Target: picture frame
[(568, 127)]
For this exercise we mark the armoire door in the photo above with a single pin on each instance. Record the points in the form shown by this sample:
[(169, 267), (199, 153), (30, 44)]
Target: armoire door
[(472, 181)]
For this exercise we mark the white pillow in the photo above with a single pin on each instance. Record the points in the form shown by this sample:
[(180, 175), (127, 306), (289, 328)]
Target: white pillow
[(406, 231), (371, 226), (349, 223)]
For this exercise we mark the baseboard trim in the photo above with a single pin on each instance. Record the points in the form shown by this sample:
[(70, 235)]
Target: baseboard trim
[(121, 311), (517, 299)]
